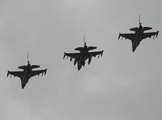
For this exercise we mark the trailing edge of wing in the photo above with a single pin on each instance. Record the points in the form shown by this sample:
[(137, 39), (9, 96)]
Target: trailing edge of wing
[(129, 36), (94, 54), (15, 73), (38, 72), (150, 34)]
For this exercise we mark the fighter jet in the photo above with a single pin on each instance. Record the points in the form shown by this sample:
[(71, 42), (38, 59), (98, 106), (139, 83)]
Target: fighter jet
[(139, 35), (27, 73), (83, 55)]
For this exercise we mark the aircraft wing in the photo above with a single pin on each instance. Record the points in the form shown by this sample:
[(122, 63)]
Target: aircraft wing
[(130, 36), (150, 34), (37, 72), (94, 54), (15, 73), (71, 55)]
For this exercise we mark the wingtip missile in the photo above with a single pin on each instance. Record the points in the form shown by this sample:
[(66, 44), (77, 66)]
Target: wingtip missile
[(101, 53), (119, 36), (7, 74), (64, 55), (157, 33), (45, 72)]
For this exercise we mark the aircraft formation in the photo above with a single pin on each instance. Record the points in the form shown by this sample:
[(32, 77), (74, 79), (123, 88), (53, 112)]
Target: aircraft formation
[(84, 54)]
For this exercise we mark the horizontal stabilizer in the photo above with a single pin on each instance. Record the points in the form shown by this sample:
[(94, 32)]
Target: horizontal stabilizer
[(22, 67), (35, 66), (79, 48), (147, 28), (91, 48), (134, 29)]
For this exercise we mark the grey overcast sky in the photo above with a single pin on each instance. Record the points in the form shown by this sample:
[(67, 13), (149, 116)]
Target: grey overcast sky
[(120, 85)]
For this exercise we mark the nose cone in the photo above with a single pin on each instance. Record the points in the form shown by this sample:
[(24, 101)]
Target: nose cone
[(22, 86), (133, 48)]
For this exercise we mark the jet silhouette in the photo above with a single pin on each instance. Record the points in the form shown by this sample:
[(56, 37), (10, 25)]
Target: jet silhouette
[(84, 54), (139, 35), (27, 73)]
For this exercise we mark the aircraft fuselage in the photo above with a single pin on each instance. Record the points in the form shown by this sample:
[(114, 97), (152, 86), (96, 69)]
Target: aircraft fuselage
[(82, 58), (26, 76), (138, 38)]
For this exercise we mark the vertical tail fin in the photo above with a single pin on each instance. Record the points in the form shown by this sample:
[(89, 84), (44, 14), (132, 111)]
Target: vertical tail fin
[(139, 21), (27, 58), (84, 39)]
